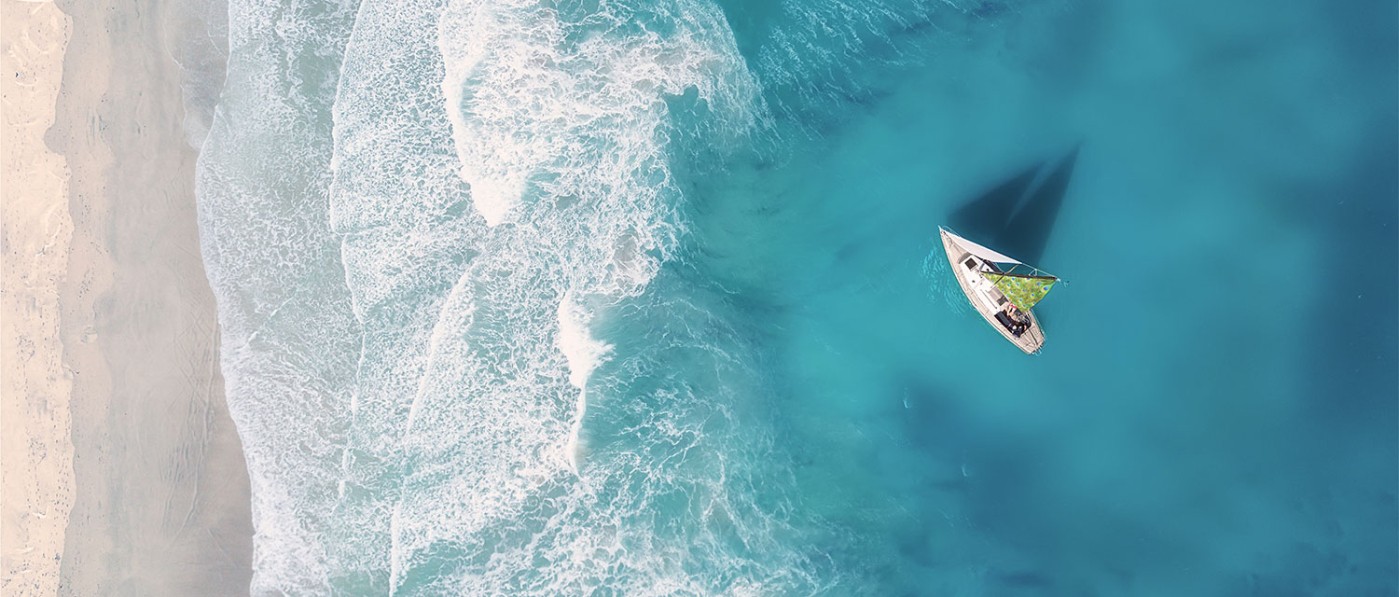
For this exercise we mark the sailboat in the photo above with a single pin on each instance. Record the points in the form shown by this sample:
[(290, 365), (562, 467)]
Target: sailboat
[(1004, 297)]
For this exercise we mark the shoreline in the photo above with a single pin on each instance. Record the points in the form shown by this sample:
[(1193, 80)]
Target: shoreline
[(160, 501)]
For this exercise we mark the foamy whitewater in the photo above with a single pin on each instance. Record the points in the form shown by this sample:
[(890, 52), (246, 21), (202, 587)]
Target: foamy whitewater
[(642, 298)]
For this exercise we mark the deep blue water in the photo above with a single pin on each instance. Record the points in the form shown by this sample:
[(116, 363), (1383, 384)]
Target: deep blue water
[(646, 298)]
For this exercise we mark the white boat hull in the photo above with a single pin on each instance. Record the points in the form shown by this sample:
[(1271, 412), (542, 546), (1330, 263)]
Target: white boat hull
[(985, 297)]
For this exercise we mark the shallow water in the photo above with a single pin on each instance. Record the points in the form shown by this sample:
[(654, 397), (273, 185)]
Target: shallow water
[(637, 298)]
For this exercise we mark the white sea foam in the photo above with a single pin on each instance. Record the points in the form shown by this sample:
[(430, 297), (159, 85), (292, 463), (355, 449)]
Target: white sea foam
[(412, 376), (577, 344), (287, 333), (559, 126), (570, 109), (583, 353)]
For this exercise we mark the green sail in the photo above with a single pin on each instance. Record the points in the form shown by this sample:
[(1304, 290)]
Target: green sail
[(1022, 291)]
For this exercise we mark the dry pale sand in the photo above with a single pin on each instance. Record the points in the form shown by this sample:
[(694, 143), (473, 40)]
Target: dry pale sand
[(36, 455), (159, 490)]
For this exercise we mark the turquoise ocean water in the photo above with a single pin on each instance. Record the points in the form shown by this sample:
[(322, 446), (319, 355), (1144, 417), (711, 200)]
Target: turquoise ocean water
[(644, 297)]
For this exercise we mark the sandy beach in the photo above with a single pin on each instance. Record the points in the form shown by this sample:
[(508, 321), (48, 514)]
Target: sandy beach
[(35, 449), (123, 473)]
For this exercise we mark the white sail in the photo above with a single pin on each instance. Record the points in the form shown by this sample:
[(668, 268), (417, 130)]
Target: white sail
[(981, 251)]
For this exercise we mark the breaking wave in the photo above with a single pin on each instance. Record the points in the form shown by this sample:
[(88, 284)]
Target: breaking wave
[(449, 343)]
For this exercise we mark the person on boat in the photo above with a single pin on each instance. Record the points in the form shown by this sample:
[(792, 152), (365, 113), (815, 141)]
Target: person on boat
[(1012, 320), (1018, 325)]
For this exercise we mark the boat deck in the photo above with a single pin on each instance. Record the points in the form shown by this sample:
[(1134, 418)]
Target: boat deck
[(986, 298)]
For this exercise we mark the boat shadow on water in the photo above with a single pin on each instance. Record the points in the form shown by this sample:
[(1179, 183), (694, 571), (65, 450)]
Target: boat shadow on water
[(1017, 215)]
